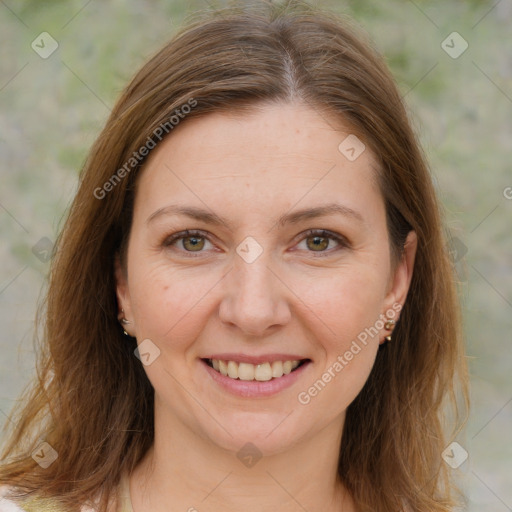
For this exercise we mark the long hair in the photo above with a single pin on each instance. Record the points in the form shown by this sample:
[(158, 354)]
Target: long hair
[(92, 402)]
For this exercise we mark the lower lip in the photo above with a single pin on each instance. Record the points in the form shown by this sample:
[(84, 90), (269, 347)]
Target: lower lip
[(255, 388)]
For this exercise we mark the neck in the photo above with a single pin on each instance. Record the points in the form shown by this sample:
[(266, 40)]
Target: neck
[(194, 474)]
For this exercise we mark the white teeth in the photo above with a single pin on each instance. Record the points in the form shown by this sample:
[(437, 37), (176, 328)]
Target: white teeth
[(260, 372), (263, 372), (245, 371), (223, 368), (232, 370), (277, 369)]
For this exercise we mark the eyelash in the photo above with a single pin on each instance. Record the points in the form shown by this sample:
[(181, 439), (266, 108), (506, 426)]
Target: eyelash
[(191, 233)]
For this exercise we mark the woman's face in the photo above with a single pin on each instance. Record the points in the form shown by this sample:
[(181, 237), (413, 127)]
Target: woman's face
[(287, 260)]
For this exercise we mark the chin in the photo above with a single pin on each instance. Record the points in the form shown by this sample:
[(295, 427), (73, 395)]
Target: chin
[(262, 432)]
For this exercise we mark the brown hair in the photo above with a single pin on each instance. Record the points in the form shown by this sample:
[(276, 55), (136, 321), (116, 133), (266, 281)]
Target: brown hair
[(92, 401)]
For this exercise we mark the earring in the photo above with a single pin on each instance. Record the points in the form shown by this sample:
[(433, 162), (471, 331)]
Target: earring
[(124, 321), (389, 327)]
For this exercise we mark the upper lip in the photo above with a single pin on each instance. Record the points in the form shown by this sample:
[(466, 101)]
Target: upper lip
[(252, 359)]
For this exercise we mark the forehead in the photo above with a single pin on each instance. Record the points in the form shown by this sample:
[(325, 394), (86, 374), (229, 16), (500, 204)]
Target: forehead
[(266, 160)]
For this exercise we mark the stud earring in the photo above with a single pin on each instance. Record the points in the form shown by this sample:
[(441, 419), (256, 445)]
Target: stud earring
[(389, 327), (125, 322)]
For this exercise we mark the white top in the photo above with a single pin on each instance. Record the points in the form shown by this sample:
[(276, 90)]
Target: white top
[(125, 504), (5, 504)]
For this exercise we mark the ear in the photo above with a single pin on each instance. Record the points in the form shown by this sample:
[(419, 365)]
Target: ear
[(123, 297), (401, 278)]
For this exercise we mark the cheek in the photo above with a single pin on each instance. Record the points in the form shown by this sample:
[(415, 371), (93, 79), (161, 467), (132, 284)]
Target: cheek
[(343, 303), (346, 311), (170, 304)]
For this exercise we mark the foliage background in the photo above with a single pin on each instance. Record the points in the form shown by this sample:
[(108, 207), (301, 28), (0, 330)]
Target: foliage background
[(52, 109)]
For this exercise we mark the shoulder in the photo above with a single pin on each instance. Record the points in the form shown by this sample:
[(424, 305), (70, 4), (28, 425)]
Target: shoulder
[(6, 505), (29, 505), (32, 505)]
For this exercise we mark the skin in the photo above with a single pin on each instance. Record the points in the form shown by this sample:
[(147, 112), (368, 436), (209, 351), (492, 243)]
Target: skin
[(251, 169)]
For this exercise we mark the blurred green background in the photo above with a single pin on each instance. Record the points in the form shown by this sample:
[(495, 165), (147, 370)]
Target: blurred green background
[(53, 108)]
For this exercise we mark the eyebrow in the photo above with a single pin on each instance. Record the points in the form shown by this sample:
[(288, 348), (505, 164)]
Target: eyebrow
[(209, 217)]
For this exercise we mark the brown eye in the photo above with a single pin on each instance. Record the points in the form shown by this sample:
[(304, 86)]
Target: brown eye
[(187, 242), (193, 243), (318, 243)]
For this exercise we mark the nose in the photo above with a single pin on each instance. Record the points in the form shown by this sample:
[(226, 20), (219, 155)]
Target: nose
[(255, 300)]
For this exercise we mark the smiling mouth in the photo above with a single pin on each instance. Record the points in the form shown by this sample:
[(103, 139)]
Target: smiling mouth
[(258, 372)]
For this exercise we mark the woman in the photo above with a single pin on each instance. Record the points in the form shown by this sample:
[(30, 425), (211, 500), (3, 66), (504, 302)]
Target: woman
[(251, 305)]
